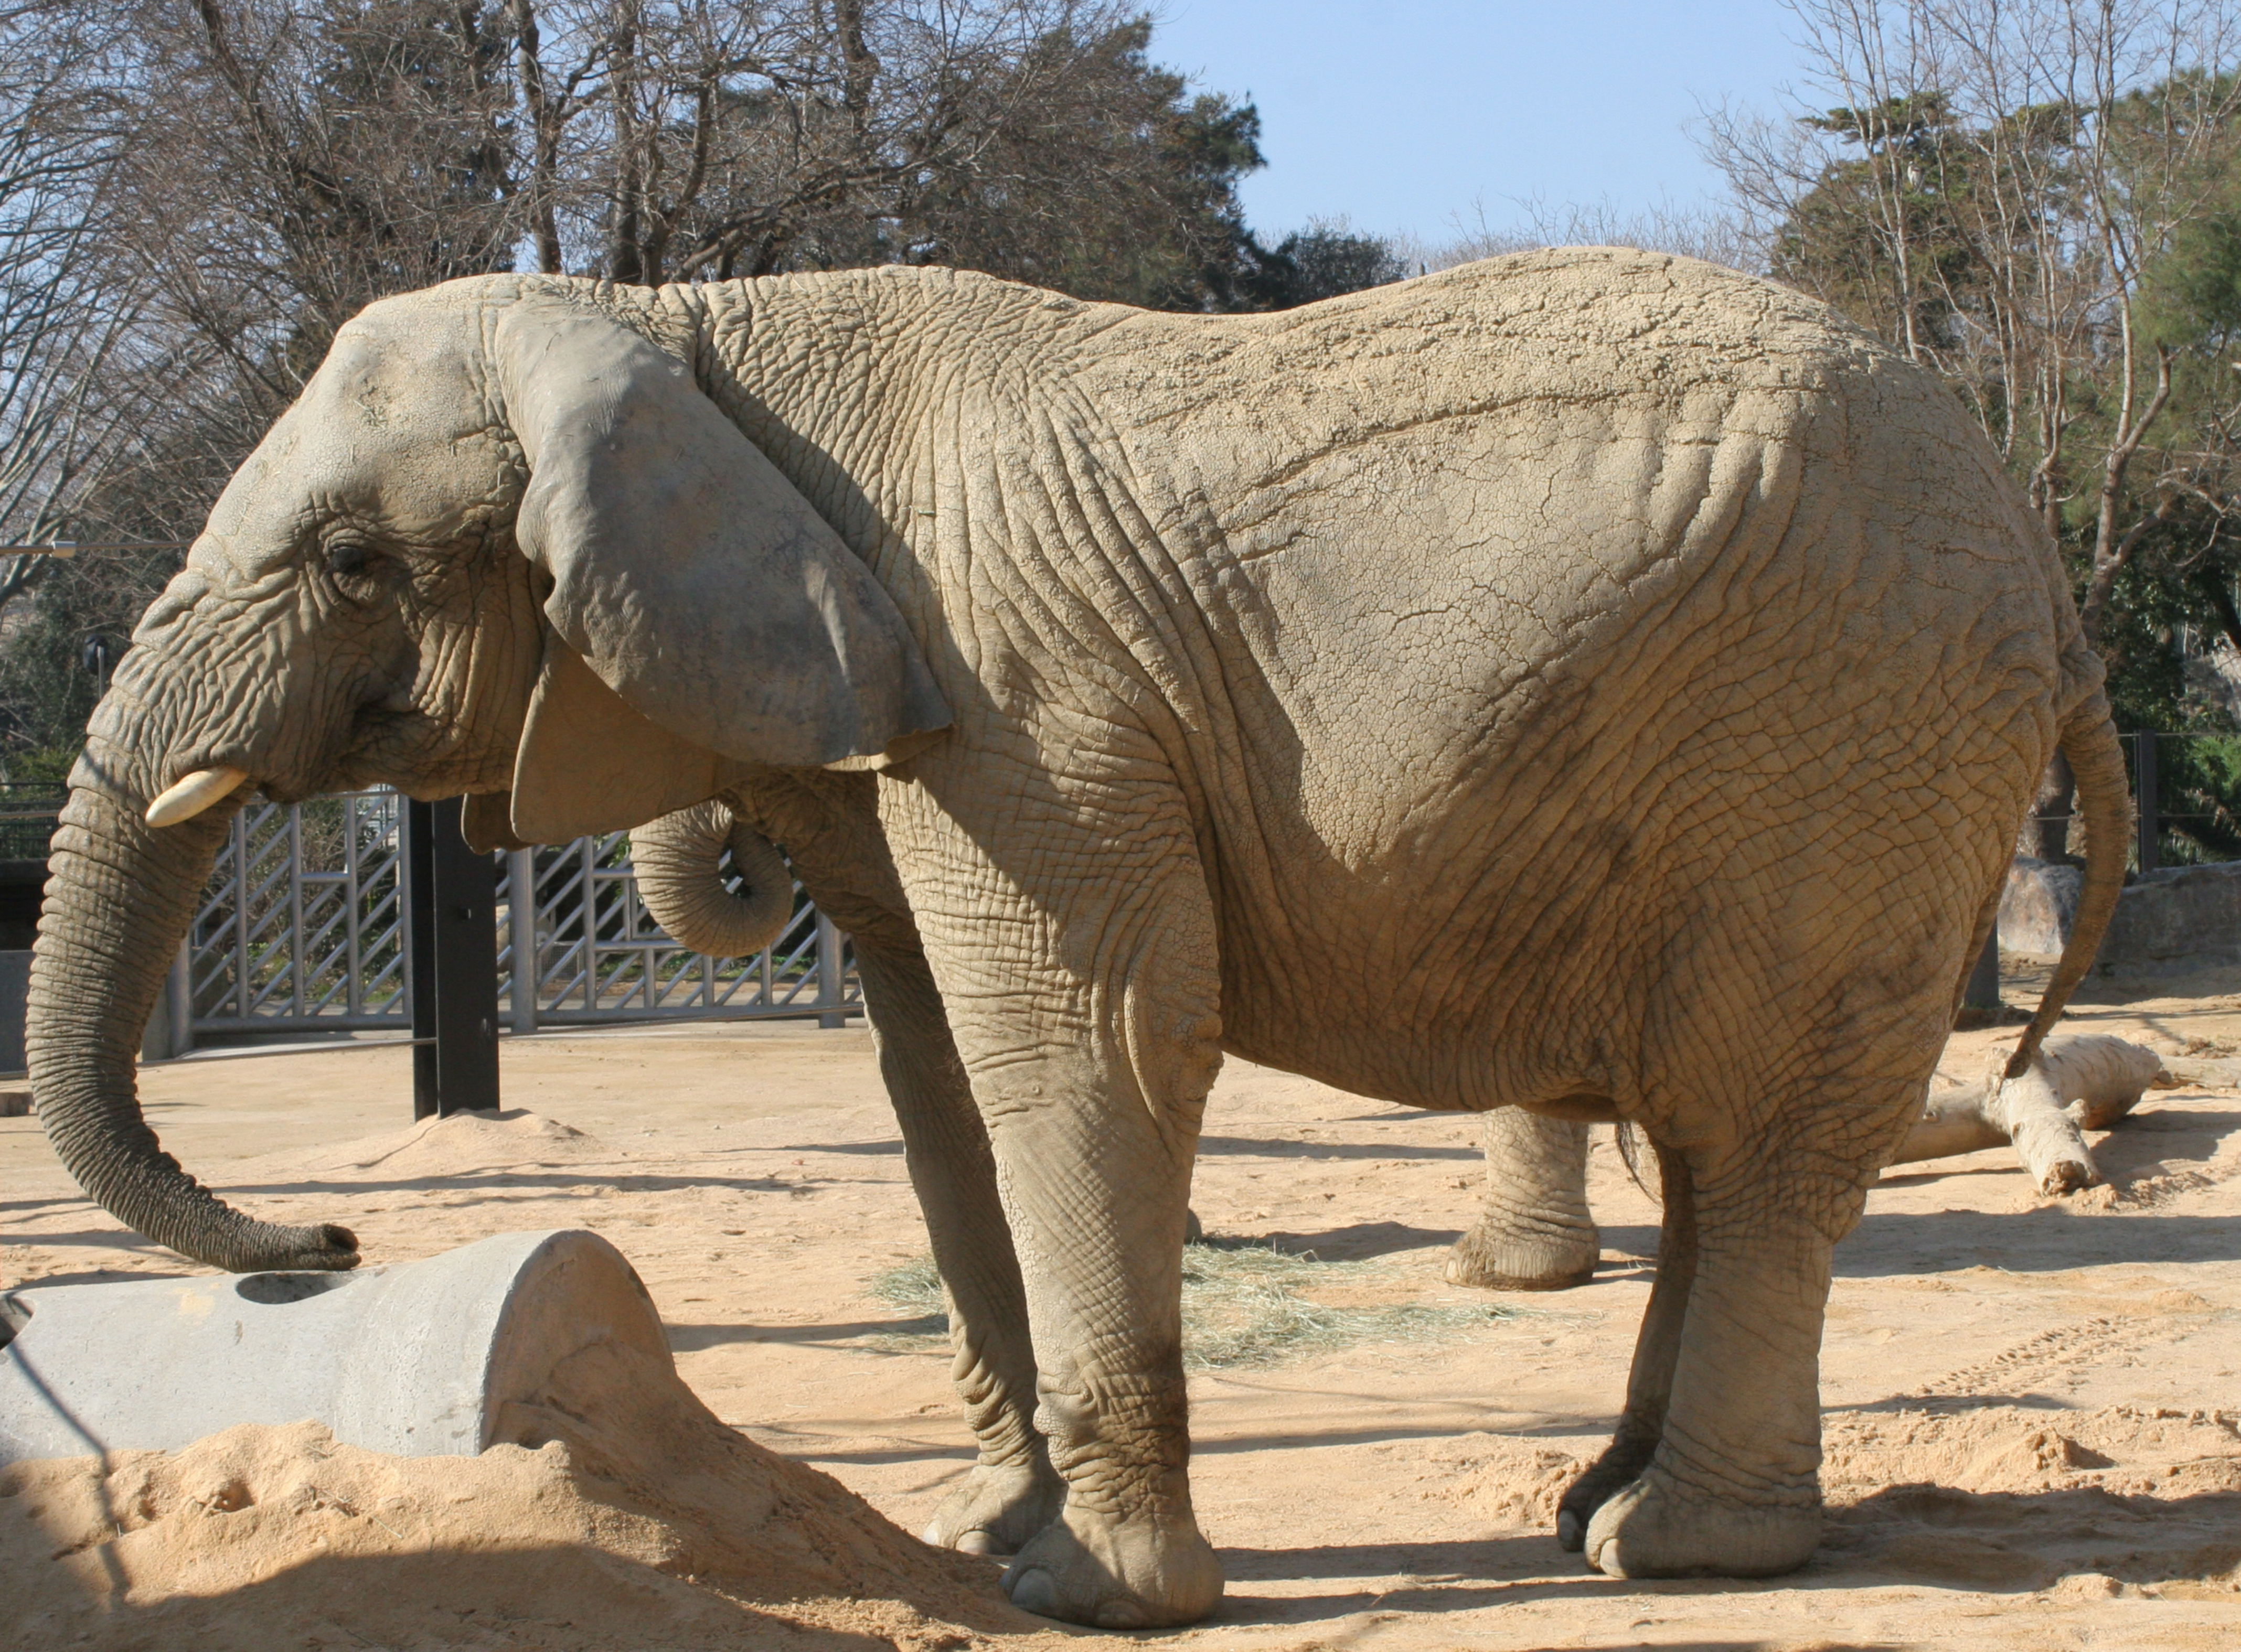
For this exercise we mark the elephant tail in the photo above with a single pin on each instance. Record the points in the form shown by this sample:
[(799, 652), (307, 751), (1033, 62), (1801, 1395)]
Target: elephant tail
[(2089, 740)]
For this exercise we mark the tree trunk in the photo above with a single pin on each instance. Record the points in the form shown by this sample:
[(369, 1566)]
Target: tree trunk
[(2051, 814)]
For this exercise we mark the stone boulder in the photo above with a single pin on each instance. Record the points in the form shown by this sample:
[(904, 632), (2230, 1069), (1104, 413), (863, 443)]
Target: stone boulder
[(2038, 906)]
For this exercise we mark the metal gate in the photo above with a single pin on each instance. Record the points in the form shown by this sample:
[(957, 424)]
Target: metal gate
[(304, 928)]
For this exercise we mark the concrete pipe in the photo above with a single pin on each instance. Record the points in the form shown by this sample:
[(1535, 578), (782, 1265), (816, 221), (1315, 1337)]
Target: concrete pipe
[(417, 1360)]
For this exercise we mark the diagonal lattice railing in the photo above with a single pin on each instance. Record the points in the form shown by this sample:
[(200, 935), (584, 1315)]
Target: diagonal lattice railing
[(305, 926)]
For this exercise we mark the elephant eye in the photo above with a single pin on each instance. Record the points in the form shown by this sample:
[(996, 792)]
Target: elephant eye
[(355, 567)]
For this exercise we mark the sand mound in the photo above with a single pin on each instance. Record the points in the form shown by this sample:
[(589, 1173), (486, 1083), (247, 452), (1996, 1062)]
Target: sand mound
[(2094, 1504), (625, 1516), (460, 1144)]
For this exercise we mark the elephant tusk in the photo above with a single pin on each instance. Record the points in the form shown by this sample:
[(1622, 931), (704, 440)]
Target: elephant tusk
[(189, 798)]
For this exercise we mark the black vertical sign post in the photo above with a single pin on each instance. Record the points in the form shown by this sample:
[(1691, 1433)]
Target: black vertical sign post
[(454, 895), (2143, 788)]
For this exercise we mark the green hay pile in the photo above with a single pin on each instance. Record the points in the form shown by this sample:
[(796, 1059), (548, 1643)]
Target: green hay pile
[(1244, 1305)]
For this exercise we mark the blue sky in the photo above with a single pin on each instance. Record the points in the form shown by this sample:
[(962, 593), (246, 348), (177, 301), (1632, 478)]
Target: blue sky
[(1399, 114)]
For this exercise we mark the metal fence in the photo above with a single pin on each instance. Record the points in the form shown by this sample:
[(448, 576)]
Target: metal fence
[(2186, 789), (305, 927), (28, 809)]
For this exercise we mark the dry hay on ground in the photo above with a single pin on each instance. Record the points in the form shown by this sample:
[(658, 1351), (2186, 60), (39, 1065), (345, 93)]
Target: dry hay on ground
[(1245, 1306)]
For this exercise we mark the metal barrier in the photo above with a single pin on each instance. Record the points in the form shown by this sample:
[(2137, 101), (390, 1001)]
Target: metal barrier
[(2182, 791), (306, 927), (28, 810)]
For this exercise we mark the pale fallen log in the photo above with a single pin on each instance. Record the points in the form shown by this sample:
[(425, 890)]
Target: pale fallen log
[(2086, 1082)]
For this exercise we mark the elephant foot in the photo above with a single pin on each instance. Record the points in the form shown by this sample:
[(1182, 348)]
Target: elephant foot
[(1655, 1527), (1104, 1572), (1504, 1260), (998, 1509), (1622, 1462)]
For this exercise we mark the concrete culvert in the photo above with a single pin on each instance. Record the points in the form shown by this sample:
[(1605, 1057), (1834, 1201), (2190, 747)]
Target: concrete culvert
[(417, 1360)]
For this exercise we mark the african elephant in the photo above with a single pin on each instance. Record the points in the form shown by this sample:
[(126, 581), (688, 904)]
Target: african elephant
[(1534, 1231), (1590, 682)]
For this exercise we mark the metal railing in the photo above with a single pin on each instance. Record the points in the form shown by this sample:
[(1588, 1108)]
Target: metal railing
[(304, 927), (27, 812), (598, 956), (2162, 770)]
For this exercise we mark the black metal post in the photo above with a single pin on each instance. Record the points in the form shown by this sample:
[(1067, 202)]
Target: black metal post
[(2144, 789), (454, 895), (420, 927), (1983, 992)]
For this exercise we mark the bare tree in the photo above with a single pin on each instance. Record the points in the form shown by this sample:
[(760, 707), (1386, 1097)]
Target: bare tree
[(1716, 232), (77, 372), (677, 140), (1988, 181)]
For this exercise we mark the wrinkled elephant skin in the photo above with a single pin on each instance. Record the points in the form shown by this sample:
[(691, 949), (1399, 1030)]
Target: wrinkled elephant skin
[(1590, 681)]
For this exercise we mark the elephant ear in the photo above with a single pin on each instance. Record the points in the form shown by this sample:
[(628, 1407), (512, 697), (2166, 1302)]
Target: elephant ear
[(700, 610)]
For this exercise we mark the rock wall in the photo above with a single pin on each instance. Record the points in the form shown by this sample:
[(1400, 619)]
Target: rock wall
[(2173, 919)]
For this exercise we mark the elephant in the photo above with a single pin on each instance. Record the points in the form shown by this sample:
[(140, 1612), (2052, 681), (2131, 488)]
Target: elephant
[(1591, 682), (1535, 1230), (1536, 1233)]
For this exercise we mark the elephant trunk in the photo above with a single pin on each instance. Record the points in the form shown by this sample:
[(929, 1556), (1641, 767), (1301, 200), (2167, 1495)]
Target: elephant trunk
[(678, 861), (120, 894)]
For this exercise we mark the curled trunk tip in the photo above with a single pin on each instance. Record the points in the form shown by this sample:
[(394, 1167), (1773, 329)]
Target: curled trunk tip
[(678, 861)]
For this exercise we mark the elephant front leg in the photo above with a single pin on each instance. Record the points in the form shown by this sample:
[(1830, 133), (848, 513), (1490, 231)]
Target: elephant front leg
[(1536, 1233), (1090, 1053), (1097, 1193), (1012, 1492)]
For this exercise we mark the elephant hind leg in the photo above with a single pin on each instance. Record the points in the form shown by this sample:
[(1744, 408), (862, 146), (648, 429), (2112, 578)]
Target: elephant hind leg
[(1534, 1232), (1732, 1487), (1657, 1351)]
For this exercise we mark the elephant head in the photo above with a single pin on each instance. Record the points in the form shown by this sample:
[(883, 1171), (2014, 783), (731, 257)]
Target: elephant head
[(503, 546), (679, 859)]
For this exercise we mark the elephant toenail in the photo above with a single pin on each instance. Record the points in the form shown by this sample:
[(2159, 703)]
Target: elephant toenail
[(1571, 1531), (974, 1542), (1121, 1615), (1034, 1591)]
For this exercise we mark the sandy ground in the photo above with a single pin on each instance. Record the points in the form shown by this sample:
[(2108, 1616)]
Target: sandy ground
[(2033, 1423)]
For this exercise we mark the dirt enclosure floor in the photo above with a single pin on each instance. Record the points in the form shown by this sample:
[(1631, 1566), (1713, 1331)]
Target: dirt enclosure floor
[(2033, 1414)]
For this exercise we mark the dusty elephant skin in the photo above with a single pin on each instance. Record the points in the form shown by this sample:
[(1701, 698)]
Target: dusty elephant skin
[(1589, 681)]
